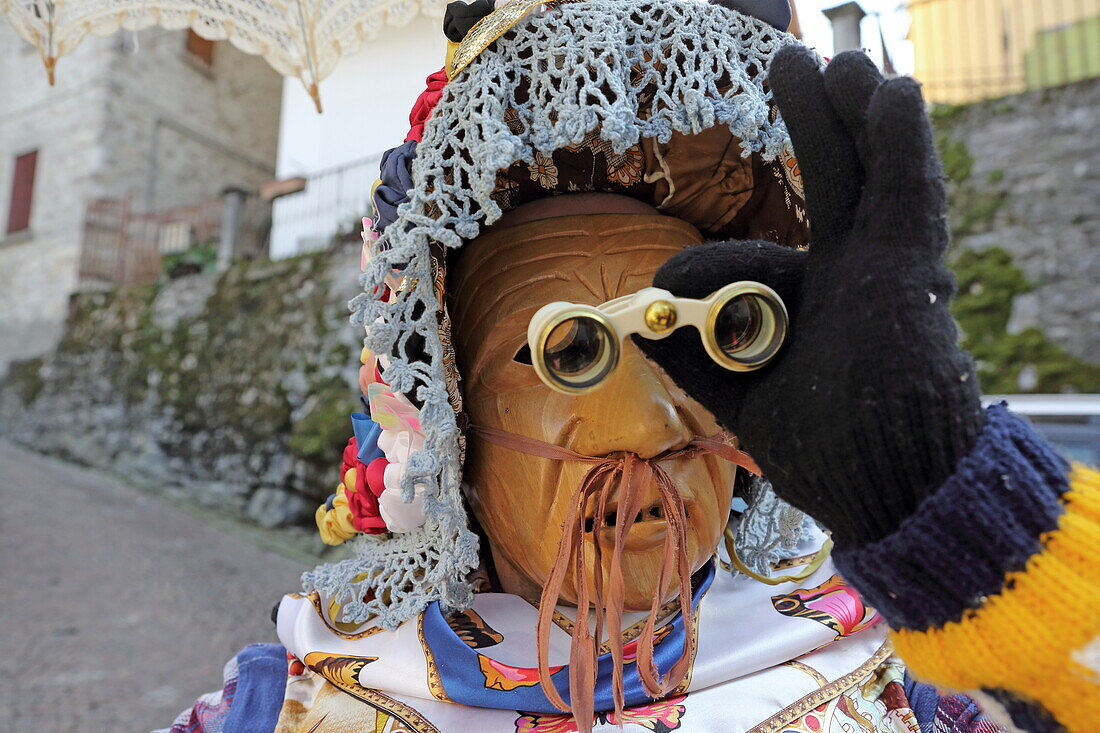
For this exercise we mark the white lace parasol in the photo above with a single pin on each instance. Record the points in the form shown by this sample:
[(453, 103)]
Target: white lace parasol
[(299, 38)]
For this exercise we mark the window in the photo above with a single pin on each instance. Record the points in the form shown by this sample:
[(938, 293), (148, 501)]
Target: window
[(201, 50), (22, 191)]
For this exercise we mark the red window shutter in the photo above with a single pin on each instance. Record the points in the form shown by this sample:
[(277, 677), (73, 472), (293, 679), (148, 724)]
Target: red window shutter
[(22, 191), (200, 48)]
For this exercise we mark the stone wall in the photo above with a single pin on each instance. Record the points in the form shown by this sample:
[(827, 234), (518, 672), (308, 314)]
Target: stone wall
[(182, 132), (1025, 180), (236, 388)]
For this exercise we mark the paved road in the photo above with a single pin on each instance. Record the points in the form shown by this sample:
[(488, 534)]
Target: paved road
[(117, 609)]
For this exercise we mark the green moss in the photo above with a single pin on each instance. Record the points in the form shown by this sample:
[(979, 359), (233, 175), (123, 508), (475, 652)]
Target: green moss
[(947, 114), (973, 207), (197, 258), (973, 210), (139, 345), (988, 282), (321, 433), (957, 160), (87, 311), (25, 379)]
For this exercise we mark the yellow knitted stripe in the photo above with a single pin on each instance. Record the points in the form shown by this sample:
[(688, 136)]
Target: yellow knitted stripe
[(1023, 639)]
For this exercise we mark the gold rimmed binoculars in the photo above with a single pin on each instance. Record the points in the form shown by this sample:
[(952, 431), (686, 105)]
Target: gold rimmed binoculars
[(575, 347)]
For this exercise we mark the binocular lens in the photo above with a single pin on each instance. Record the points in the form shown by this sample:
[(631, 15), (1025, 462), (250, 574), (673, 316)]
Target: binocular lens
[(579, 352), (737, 325), (574, 347), (747, 330)]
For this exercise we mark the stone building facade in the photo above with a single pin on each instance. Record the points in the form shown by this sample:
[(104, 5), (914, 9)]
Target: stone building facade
[(147, 116)]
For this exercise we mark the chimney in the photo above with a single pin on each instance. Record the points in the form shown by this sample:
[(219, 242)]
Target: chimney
[(845, 19)]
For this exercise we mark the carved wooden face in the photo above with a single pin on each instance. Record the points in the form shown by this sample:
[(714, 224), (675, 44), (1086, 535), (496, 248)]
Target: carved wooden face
[(521, 501)]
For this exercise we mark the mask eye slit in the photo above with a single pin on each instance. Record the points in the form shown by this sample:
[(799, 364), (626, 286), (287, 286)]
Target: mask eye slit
[(523, 356)]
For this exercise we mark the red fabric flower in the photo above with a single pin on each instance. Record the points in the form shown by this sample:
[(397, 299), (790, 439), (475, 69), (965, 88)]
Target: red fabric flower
[(362, 501), (351, 456), (422, 110), (375, 476)]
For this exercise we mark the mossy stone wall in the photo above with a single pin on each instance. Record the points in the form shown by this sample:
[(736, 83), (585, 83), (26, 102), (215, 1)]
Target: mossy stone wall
[(228, 387), (1024, 185)]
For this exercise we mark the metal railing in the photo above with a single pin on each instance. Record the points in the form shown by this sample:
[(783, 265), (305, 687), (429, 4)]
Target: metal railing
[(967, 50), (122, 247), (332, 201)]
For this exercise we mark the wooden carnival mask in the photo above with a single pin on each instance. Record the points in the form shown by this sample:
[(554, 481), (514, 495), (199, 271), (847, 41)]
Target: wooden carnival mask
[(590, 249)]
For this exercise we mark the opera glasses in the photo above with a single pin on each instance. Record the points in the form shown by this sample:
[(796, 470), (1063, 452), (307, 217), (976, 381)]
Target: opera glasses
[(575, 347)]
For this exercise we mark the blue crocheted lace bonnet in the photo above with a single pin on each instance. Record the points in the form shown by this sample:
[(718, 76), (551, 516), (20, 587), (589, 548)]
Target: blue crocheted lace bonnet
[(658, 69)]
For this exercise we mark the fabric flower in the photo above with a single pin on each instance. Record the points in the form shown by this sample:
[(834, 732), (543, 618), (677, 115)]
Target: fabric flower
[(393, 188), (376, 476), (366, 438), (334, 520), (543, 170), (399, 446), (369, 372), (400, 515), (375, 460), (365, 515), (392, 410), (370, 236), (361, 501), (427, 101)]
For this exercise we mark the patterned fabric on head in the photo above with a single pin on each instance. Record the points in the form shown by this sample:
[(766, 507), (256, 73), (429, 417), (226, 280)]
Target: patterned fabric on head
[(700, 178)]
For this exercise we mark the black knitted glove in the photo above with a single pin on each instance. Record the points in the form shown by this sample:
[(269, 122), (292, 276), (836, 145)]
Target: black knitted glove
[(870, 403)]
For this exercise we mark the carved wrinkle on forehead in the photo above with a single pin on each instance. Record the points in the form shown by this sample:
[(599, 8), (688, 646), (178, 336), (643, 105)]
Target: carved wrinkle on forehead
[(505, 275), (488, 258)]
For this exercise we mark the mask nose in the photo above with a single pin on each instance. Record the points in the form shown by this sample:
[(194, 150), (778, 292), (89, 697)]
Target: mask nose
[(632, 412)]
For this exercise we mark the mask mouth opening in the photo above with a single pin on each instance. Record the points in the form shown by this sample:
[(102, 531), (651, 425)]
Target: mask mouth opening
[(612, 483), (652, 513)]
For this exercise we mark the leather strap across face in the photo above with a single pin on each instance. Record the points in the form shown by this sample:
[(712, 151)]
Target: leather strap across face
[(625, 476)]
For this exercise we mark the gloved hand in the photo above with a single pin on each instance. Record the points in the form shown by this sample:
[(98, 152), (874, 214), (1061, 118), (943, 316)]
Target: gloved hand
[(870, 403)]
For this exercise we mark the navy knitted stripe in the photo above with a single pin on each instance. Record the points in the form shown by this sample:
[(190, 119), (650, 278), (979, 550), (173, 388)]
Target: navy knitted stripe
[(982, 523), (1026, 715)]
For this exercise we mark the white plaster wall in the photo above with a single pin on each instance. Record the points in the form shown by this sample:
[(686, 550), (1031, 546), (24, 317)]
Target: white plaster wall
[(366, 111)]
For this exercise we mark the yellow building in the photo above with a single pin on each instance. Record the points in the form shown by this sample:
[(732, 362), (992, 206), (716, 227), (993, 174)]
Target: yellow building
[(965, 50)]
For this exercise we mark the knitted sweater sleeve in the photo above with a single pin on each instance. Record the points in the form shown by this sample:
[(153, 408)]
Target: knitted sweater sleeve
[(992, 587)]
